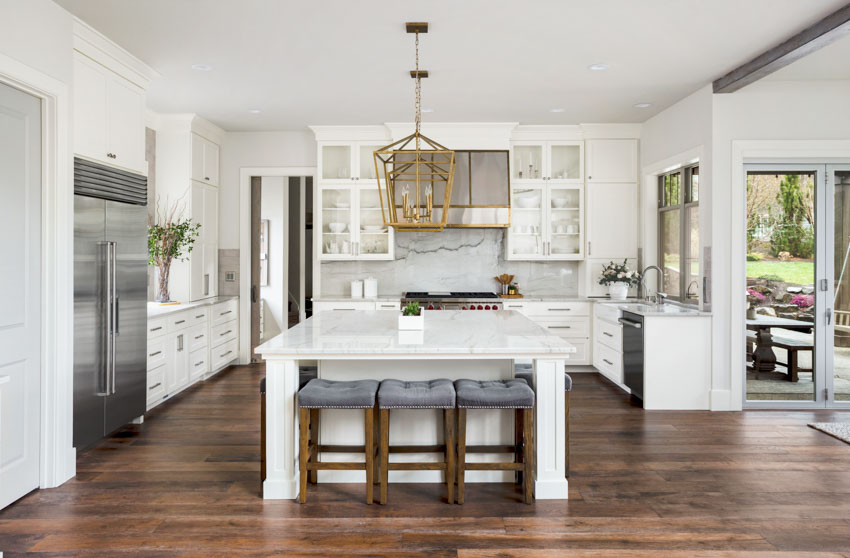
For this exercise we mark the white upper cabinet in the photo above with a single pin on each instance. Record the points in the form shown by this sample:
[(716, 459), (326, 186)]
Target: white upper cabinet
[(612, 160), (558, 161), (109, 116), (348, 161), (612, 211), (204, 160)]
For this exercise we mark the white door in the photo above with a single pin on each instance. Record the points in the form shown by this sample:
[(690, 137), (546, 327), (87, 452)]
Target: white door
[(20, 300)]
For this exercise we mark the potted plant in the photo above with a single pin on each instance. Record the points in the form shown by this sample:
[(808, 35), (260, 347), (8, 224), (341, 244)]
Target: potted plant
[(618, 278), (170, 237), (754, 298), (411, 317)]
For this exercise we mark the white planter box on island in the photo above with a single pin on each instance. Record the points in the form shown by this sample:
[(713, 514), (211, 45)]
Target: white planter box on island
[(368, 345)]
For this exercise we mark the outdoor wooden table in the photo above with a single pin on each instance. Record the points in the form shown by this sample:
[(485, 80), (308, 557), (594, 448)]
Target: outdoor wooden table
[(762, 325)]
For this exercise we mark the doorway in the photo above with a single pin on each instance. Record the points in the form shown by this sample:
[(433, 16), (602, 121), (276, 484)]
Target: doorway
[(281, 255), (798, 286), (20, 308)]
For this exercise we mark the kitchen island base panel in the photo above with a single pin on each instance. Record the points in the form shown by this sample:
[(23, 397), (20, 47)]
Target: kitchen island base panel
[(485, 426)]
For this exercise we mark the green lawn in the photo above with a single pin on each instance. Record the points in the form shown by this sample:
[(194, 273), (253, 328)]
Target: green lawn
[(801, 273)]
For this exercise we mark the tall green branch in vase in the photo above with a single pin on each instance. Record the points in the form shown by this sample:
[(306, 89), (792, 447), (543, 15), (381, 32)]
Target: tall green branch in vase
[(170, 237)]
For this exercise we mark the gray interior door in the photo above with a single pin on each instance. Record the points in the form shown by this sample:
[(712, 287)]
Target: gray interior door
[(126, 227)]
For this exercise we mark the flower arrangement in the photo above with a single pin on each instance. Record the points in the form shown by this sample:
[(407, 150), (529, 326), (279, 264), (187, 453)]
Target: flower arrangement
[(619, 273), (803, 301), (170, 237)]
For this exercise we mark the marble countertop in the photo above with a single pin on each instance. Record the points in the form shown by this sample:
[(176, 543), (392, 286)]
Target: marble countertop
[(342, 298), (155, 310), (447, 334), (654, 310)]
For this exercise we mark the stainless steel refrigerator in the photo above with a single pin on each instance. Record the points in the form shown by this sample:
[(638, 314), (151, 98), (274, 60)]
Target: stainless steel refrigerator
[(110, 300)]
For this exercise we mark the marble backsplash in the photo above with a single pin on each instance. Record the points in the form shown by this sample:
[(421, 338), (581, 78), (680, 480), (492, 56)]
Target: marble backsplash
[(452, 260)]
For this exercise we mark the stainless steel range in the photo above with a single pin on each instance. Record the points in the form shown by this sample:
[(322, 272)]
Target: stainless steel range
[(445, 300)]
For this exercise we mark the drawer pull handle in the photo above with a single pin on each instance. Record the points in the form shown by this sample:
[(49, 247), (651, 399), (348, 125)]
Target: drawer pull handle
[(514, 305), (155, 353), (198, 336), (156, 385), (155, 328), (225, 313), (606, 333), (199, 363), (560, 327), (560, 309), (179, 322), (225, 333), (225, 354), (199, 316), (337, 309), (608, 362)]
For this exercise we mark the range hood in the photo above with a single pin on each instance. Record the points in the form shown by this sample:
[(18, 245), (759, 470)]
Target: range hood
[(481, 190)]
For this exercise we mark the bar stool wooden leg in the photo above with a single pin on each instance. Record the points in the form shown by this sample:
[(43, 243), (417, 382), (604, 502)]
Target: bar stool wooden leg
[(528, 445), (518, 458), (567, 434), (376, 424), (449, 427), (304, 453), (369, 450), (461, 452), (314, 441), (385, 453)]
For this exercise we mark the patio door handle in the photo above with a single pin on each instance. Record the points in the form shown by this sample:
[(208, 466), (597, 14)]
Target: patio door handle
[(828, 314)]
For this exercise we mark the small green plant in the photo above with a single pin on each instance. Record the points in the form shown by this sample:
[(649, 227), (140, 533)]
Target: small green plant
[(771, 277), (169, 238), (411, 309), (753, 257)]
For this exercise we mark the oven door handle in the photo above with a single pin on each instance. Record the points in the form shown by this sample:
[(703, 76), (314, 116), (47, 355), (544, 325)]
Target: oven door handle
[(630, 323)]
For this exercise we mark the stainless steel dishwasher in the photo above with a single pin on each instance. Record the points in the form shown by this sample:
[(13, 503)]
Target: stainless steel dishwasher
[(633, 352)]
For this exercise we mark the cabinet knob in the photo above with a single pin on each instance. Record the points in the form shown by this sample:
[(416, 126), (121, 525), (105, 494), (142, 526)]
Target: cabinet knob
[(206, 178)]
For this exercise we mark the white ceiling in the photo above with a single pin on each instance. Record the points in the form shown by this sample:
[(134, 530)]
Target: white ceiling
[(829, 63), (346, 62)]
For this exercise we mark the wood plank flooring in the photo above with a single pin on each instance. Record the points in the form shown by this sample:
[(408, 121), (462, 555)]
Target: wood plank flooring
[(644, 484)]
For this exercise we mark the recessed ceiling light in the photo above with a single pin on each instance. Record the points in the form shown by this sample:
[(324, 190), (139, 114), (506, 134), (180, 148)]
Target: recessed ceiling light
[(427, 110), (556, 110), (643, 105), (201, 67), (598, 67), (254, 111)]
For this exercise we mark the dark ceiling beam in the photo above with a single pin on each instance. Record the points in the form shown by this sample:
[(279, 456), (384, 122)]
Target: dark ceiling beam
[(829, 29)]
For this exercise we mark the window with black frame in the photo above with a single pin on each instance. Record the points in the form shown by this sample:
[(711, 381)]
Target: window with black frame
[(678, 233)]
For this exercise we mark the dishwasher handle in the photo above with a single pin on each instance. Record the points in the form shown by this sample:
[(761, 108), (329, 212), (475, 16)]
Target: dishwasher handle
[(630, 323)]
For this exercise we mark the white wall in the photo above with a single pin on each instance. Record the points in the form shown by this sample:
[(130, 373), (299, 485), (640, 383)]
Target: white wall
[(273, 190), (38, 33), (255, 149)]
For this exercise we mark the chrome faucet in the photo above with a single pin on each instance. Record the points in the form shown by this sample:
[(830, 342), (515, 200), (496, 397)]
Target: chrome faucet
[(659, 296)]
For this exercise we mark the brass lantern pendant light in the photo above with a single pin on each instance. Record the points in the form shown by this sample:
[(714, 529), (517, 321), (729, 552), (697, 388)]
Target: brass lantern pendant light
[(415, 171)]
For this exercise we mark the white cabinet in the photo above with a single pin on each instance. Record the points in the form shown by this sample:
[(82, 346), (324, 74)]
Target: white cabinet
[(567, 319), (109, 116), (177, 375), (350, 223), (547, 221), (612, 160), (608, 342), (205, 155), (348, 161), (354, 304), (612, 212), (551, 160), (202, 263)]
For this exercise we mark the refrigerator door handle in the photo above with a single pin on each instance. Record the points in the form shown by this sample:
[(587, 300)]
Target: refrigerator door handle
[(105, 335), (114, 304)]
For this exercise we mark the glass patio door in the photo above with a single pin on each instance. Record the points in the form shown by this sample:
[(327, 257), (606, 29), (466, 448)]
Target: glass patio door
[(837, 260)]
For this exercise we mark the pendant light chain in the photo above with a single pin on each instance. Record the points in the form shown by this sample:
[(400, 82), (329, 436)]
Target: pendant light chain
[(418, 103)]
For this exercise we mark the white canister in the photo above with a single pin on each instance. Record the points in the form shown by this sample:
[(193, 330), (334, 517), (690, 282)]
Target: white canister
[(370, 287), (357, 289)]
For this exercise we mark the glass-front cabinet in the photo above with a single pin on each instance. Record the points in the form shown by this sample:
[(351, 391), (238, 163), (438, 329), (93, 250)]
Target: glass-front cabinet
[(351, 224), (547, 161), (348, 162), (547, 222)]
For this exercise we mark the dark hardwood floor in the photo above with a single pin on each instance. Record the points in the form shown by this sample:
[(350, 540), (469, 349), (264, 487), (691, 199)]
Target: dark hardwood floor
[(643, 484)]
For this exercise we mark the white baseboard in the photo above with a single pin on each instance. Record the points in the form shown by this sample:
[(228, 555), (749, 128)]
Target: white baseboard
[(721, 400), (551, 490), (280, 489)]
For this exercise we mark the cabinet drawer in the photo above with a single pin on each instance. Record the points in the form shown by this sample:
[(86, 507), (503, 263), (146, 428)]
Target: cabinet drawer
[(199, 316), (515, 306), (199, 363), (224, 354), (157, 327), (156, 384), (609, 334), (388, 305), (342, 306), (582, 354), (225, 311), (605, 311), (550, 310), (197, 337), (223, 333), (179, 321), (609, 362), (568, 327), (156, 352)]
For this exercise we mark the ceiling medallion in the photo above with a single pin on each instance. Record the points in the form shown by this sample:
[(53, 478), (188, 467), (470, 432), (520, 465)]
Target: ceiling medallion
[(415, 171)]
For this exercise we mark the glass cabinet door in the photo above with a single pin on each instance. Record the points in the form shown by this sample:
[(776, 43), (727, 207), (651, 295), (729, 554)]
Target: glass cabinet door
[(527, 234), (336, 162), (565, 162), (566, 223), (337, 233), (375, 238), (527, 163), (367, 161)]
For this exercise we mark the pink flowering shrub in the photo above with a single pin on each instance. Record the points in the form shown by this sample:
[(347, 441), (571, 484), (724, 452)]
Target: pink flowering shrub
[(803, 301)]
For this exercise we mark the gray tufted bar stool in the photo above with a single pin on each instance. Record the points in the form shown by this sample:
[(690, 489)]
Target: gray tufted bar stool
[(496, 394), (527, 374), (426, 394), (327, 394)]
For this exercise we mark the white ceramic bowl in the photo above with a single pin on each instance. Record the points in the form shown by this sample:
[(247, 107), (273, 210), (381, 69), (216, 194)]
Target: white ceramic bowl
[(373, 227), (337, 227), (560, 203), (528, 201)]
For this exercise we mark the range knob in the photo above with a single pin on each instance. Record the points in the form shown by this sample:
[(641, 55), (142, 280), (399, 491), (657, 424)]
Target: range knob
[(430, 307), (463, 307), (439, 307), (487, 307), (472, 307), (480, 307), (495, 307)]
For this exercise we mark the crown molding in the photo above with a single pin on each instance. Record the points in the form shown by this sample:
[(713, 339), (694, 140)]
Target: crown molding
[(92, 43), (351, 133)]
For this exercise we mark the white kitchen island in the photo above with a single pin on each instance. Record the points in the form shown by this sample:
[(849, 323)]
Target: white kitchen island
[(356, 344)]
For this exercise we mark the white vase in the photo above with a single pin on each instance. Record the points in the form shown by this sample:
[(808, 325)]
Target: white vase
[(412, 322), (618, 291)]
